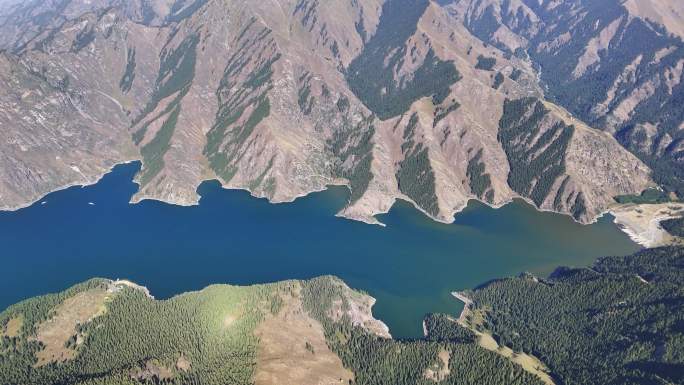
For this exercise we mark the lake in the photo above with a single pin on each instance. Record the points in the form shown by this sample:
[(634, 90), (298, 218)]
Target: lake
[(410, 266)]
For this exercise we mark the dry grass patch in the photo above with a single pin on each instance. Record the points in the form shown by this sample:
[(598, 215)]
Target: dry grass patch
[(153, 371), (228, 320), (530, 363), (13, 326), (293, 351), (474, 319), (439, 371), (183, 363), (56, 332)]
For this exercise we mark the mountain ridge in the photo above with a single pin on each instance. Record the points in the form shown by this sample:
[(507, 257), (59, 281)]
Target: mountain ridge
[(261, 98)]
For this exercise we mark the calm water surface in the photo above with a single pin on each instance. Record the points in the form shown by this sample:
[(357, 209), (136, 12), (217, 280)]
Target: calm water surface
[(410, 266)]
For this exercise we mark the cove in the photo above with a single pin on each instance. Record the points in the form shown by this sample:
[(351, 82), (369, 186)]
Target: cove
[(410, 266)]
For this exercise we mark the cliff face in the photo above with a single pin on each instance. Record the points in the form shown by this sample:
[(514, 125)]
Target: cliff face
[(397, 99)]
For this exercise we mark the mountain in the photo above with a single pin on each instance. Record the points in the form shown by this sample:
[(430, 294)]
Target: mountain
[(616, 65), (619, 321), (435, 102)]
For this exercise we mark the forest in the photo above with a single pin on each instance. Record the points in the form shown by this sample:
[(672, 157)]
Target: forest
[(581, 94), (371, 75), (376, 360), (498, 80), (415, 175), (176, 72), (352, 147), (127, 78), (480, 181), (536, 159), (648, 196), (485, 63), (674, 226), (136, 330), (619, 322), (238, 99), (602, 83)]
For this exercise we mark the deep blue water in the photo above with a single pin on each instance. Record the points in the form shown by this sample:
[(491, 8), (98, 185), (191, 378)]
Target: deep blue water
[(410, 266)]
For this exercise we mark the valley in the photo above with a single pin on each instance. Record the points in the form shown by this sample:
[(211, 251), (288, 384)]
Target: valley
[(311, 192), (410, 265)]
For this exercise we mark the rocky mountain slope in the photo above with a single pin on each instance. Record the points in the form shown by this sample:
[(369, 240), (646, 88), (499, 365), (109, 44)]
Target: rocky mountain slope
[(436, 102), (617, 65)]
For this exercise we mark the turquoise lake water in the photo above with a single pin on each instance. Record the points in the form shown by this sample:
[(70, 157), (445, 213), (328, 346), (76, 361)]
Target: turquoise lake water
[(410, 266)]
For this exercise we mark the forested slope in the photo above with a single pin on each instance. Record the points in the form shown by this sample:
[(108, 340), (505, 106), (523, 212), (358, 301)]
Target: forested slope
[(618, 322)]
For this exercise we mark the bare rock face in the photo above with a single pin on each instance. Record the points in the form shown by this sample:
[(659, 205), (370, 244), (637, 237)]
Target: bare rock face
[(51, 139), (287, 97)]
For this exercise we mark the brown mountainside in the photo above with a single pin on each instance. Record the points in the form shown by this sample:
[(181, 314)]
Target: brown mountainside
[(396, 99)]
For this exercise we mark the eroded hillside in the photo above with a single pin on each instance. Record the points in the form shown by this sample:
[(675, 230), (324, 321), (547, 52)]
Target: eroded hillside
[(285, 98), (617, 65)]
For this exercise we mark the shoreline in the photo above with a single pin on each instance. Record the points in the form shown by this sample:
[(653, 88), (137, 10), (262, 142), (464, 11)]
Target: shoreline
[(67, 186), (485, 340), (467, 304), (118, 283), (637, 238), (369, 219), (641, 222)]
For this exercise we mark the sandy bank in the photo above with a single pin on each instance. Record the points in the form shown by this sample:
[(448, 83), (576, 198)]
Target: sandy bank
[(642, 222)]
